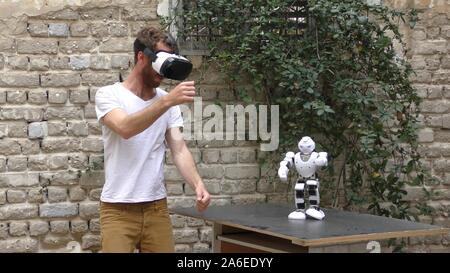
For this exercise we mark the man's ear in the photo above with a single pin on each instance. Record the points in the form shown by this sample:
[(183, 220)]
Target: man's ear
[(141, 58)]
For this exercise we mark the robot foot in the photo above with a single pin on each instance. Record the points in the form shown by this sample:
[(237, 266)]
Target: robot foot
[(315, 213), (297, 215)]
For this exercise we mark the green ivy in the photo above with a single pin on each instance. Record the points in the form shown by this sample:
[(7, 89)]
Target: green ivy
[(341, 82)]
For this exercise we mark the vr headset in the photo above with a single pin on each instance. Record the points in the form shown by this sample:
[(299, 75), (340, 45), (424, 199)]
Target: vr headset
[(167, 64)]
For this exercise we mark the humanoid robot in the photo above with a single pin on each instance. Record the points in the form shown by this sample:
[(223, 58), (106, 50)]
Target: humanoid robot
[(306, 162)]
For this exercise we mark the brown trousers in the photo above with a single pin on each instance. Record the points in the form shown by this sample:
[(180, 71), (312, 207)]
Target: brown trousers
[(126, 227)]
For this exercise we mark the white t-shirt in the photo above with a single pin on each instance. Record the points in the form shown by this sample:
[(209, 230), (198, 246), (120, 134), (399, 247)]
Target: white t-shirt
[(134, 166)]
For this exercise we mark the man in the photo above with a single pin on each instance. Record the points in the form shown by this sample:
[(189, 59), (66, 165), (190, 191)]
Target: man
[(138, 120)]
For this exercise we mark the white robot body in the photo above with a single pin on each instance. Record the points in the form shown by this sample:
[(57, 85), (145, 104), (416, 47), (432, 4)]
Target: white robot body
[(306, 163)]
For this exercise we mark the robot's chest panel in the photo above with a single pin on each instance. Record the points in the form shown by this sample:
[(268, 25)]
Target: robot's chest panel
[(305, 168)]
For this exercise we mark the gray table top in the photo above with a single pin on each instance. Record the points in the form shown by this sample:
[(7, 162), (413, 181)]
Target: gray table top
[(337, 227)]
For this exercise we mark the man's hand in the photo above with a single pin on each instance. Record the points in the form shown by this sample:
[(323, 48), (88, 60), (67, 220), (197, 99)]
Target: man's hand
[(182, 93), (203, 198)]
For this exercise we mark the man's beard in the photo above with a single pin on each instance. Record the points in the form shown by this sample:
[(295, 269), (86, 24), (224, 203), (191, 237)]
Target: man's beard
[(147, 78)]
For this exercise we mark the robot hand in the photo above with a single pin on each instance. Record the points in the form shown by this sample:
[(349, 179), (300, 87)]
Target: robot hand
[(321, 160), (283, 172)]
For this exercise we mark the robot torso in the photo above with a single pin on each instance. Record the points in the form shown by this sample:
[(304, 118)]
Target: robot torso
[(307, 168)]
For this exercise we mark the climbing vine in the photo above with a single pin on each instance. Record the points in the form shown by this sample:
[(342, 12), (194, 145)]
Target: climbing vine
[(342, 80)]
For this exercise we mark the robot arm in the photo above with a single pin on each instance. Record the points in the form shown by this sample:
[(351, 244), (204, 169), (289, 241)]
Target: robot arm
[(287, 163), (321, 159)]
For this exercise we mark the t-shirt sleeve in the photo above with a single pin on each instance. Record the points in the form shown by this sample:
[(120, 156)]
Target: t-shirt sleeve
[(105, 102), (175, 118)]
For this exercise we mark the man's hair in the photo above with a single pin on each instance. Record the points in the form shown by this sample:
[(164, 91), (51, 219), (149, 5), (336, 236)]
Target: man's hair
[(149, 37)]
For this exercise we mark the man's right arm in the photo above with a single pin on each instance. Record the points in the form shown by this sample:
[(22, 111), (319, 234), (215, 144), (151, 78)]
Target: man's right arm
[(129, 125)]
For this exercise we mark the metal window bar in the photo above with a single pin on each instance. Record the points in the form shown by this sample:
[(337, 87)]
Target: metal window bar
[(196, 42)]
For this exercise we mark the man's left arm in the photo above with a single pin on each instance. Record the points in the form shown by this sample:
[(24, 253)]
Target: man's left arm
[(184, 162)]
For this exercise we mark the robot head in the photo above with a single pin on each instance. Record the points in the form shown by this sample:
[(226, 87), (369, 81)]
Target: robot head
[(306, 145)]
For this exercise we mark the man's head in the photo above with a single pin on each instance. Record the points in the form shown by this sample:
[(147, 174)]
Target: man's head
[(155, 40)]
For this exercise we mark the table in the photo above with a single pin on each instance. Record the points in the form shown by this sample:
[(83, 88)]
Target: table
[(266, 228)]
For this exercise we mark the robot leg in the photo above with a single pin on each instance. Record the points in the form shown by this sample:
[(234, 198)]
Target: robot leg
[(299, 214), (314, 200)]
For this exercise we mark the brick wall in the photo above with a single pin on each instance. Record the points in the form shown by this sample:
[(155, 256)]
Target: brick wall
[(51, 161)]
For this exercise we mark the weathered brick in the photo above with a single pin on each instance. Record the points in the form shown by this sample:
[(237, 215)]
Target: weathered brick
[(89, 210), (2, 61), (15, 79), (241, 172), (58, 162), (185, 235), (228, 156), (178, 221), (16, 196), (120, 62), (78, 160), (59, 178), (79, 96), (171, 173), (100, 62), (92, 145), (9, 147), (59, 227), (201, 248), (22, 245), (77, 194), (140, 14), (58, 210), (60, 80), (90, 241), (77, 46), (118, 29), (58, 30), (7, 45), (208, 172), (92, 179), (3, 130), (37, 162), (38, 227), (206, 234), (183, 248), (430, 47), (109, 13), (195, 222), (37, 46), (17, 129), (17, 163), (79, 226), (425, 135), (63, 113), (16, 97), (19, 179), (89, 111), (60, 63), (79, 29), (94, 195), (79, 62), (18, 228), (99, 29), (94, 128), (38, 97), (57, 240), (115, 45), (50, 145), (29, 147), (64, 14), (35, 195), (17, 62), (2, 197), (57, 128), (77, 129), (18, 211), (96, 162), (94, 225), (38, 29), (210, 156), (56, 194), (4, 230), (174, 189), (37, 130), (99, 79)]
